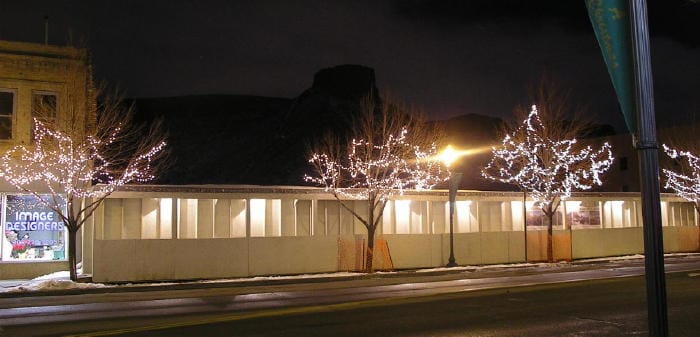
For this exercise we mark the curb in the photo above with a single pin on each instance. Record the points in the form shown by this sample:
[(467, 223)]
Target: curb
[(236, 283)]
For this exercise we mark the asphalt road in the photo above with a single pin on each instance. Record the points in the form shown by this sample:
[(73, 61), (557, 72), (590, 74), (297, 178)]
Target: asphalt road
[(613, 307), (537, 301)]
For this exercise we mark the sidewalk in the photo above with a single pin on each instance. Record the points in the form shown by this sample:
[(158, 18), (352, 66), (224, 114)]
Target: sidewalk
[(63, 286)]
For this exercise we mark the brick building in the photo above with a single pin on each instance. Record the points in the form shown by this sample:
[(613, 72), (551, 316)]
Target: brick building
[(56, 79)]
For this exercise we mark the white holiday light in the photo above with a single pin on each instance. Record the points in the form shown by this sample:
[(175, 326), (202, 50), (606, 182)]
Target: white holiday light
[(374, 172), (60, 170), (686, 186), (550, 169), (68, 166), (547, 168), (382, 170)]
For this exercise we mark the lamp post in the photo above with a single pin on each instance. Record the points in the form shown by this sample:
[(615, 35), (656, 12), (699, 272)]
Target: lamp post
[(448, 156), (525, 221)]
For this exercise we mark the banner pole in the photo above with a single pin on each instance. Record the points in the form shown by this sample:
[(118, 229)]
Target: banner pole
[(647, 148)]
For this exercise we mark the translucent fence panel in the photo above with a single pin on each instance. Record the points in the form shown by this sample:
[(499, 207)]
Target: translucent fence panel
[(112, 218), (150, 228), (439, 221), (347, 219), (536, 219), (238, 218), (619, 214), (328, 217), (466, 217), (680, 214), (265, 217), (205, 218), (408, 217), (517, 209), (257, 217), (582, 214), (187, 219), (490, 216), (165, 218), (303, 217), (222, 218)]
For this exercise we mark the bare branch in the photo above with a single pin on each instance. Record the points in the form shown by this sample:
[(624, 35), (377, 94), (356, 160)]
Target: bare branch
[(393, 149), (92, 138)]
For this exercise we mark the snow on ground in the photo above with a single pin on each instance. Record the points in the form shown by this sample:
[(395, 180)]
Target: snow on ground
[(496, 266), (631, 257), (285, 277), (61, 281), (54, 281), (55, 284), (617, 258)]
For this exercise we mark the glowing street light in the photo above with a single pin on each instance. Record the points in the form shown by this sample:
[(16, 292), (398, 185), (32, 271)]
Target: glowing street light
[(448, 156)]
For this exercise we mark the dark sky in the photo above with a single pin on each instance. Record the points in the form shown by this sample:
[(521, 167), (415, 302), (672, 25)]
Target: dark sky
[(448, 57)]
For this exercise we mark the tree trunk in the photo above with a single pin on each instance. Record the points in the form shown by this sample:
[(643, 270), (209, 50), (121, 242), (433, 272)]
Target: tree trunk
[(371, 228), (72, 241), (549, 215), (370, 249)]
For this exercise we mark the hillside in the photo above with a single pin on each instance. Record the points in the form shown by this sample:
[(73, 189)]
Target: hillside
[(235, 139)]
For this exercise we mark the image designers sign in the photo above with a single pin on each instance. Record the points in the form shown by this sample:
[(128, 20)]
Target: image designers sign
[(34, 221), (34, 230)]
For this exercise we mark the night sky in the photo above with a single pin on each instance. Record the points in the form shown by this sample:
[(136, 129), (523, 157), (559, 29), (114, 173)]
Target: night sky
[(447, 57)]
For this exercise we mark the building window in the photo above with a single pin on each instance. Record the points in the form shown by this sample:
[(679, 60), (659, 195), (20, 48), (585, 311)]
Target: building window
[(623, 163), (536, 219), (33, 231), (44, 108), (7, 108), (582, 214)]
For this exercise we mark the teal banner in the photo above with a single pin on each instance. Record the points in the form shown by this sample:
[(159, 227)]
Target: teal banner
[(612, 28)]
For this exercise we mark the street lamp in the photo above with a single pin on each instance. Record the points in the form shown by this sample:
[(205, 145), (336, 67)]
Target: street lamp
[(448, 156)]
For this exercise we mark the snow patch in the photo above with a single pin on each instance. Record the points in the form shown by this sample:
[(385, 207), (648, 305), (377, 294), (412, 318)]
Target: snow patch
[(284, 277), (54, 284), (496, 266), (616, 258), (59, 280)]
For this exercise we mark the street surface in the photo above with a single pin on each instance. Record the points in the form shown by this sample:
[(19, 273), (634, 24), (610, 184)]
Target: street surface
[(543, 301), (592, 308)]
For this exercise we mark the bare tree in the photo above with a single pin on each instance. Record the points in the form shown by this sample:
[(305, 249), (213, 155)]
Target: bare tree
[(681, 165), (392, 150), (542, 156), (82, 154)]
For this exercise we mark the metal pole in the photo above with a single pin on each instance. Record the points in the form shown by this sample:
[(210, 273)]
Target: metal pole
[(647, 148), (525, 221), (455, 178)]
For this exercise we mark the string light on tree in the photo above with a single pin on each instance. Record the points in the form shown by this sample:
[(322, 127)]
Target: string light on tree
[(686, 186), (547, 167), (370, 168), (72, 166), (375, 172)]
